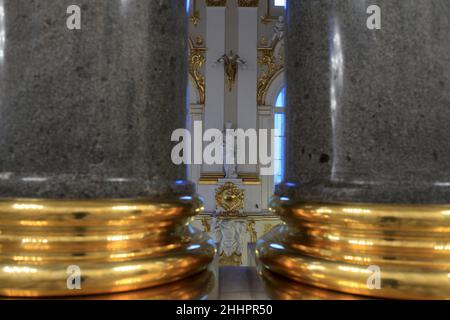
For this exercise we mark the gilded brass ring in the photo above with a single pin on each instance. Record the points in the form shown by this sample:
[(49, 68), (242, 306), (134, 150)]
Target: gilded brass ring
[(335, 246)]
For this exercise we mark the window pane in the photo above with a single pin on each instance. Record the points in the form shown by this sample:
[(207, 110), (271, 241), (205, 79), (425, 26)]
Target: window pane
[(279, 124), (278, 168), (281, 99), (278, 148), (279, 141)]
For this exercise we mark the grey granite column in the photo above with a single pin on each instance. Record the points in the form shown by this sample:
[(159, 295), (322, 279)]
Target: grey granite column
[(89, 113), (368, 111)]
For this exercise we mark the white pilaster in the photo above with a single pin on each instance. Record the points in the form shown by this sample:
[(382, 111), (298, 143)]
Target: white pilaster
[(196, 114), (214, 74), (247, 75)]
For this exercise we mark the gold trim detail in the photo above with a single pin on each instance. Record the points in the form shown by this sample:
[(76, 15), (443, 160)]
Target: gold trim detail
[(115, 245), (230, 198), (213, 178), (334, 246), (216, 3), (270, 68), (196, 61), (248, 3)]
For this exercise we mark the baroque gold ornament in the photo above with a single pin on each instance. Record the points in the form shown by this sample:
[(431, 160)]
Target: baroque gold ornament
[(271, 65), (230, 198), (196, 61)]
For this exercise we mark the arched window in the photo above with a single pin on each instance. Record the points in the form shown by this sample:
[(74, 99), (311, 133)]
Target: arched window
[(279, 136)]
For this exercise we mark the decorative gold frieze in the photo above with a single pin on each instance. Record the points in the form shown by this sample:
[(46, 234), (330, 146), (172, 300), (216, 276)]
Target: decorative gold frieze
[(248, 3), (230, 198), (271, 66), (216, 3), (196, 61)]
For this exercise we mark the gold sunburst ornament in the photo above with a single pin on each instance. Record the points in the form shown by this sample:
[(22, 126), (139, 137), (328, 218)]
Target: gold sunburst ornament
[(230, 198)]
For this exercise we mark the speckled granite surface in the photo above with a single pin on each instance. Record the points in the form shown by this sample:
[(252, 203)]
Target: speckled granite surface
[(89, 113), (368, 111)]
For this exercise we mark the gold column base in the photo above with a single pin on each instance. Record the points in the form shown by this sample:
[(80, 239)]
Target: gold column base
[(117, 245), (332, 246)]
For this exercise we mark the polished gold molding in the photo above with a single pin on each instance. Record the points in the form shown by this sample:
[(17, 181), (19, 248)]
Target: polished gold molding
[(216, 3), (117, 245), (230, 198), (197, 287), (196, 61), (248, 3), (332, 246)]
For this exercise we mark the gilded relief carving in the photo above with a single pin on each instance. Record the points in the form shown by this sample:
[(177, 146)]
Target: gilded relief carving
[(196, 61), (271, 62)]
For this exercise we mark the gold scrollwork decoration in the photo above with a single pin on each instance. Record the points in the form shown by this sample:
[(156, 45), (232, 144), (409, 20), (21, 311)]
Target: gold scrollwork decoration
[(196, 61), (271, 66)]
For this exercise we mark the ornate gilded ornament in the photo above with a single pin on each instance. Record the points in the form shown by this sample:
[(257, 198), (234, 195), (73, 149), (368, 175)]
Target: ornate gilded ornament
[(271, 63), (230, 198), (196, 61)]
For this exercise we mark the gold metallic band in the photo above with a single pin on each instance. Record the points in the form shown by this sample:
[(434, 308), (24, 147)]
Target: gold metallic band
[(280, 288), (117, 245), (332, 246)]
